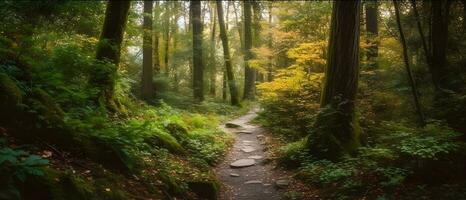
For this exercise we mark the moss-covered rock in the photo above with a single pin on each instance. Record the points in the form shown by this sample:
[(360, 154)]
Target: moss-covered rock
[(178, 131), (205, 189), (165, 140)]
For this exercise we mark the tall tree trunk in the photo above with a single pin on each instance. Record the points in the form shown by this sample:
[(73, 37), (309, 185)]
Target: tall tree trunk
[(167, 36), (270, 45), (464, 17), (226, 56), (336, 130), (213, 71), (108, 49), (257, 40), (147, 71), (249, 73), (198, 68), (372, 32), (408, 68), (155, 48), (440, 21), (175, 43), (239, 26)]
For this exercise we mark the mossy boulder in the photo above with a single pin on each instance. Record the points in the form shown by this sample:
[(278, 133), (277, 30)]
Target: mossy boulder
[(178, 131), (205, 189), (165, 140)]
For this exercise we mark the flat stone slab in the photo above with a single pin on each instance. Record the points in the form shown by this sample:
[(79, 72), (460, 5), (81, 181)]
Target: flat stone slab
[(247, 141), (282, 183), (234, 175), (244, 132), (256, 157), (248, 149), (253, 182), (243, 163), (232, 125)]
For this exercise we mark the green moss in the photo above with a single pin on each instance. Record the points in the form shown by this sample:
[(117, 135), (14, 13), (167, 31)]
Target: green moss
[(10, 94), (48, 111), (205, 189), (165, 140)]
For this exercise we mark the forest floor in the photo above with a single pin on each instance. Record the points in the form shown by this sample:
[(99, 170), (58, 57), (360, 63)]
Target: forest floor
[(246, 172)]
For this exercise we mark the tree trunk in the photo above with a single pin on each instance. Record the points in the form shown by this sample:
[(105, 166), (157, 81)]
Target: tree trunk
[(270, 45), (213, 70), (198, 68), (155, 48), (372, 32), (108, 50), (249, 73), (148, 91), (336, 130), (440, 20), (175, 43), (408, 68), (167, 36), (226, 55)]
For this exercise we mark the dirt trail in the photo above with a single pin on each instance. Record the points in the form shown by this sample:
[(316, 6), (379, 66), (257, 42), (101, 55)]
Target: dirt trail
[(256, 182)]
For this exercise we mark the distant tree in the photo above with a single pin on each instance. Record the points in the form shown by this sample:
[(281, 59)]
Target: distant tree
[(336, 130), (198, 67), (372, 31), (412, 83), (147, 69), (108, 50), (249, 73), (226, 55)]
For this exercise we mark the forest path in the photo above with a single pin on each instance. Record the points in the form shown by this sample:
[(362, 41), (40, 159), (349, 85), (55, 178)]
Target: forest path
[(256, 180)]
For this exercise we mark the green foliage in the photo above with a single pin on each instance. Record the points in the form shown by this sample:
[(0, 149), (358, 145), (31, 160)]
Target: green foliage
[(290, 102), (15, 167)]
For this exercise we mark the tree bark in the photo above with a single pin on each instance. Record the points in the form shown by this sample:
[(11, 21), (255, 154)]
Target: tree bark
[(249, 73), (155, 48), (167, 36), (198, 68), (336, 130), (148, 91), (372, 29), (226, 55), (175, 43), (108, 50), (440, 21), (213, 70), (408, 68), (270, 45)]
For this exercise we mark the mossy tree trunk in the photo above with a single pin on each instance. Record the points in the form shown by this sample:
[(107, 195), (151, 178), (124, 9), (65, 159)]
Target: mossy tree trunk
[(198, 67), (372, 31), (108, 50), (249, 73), (336, 130), (148, 90), (226, 55)]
